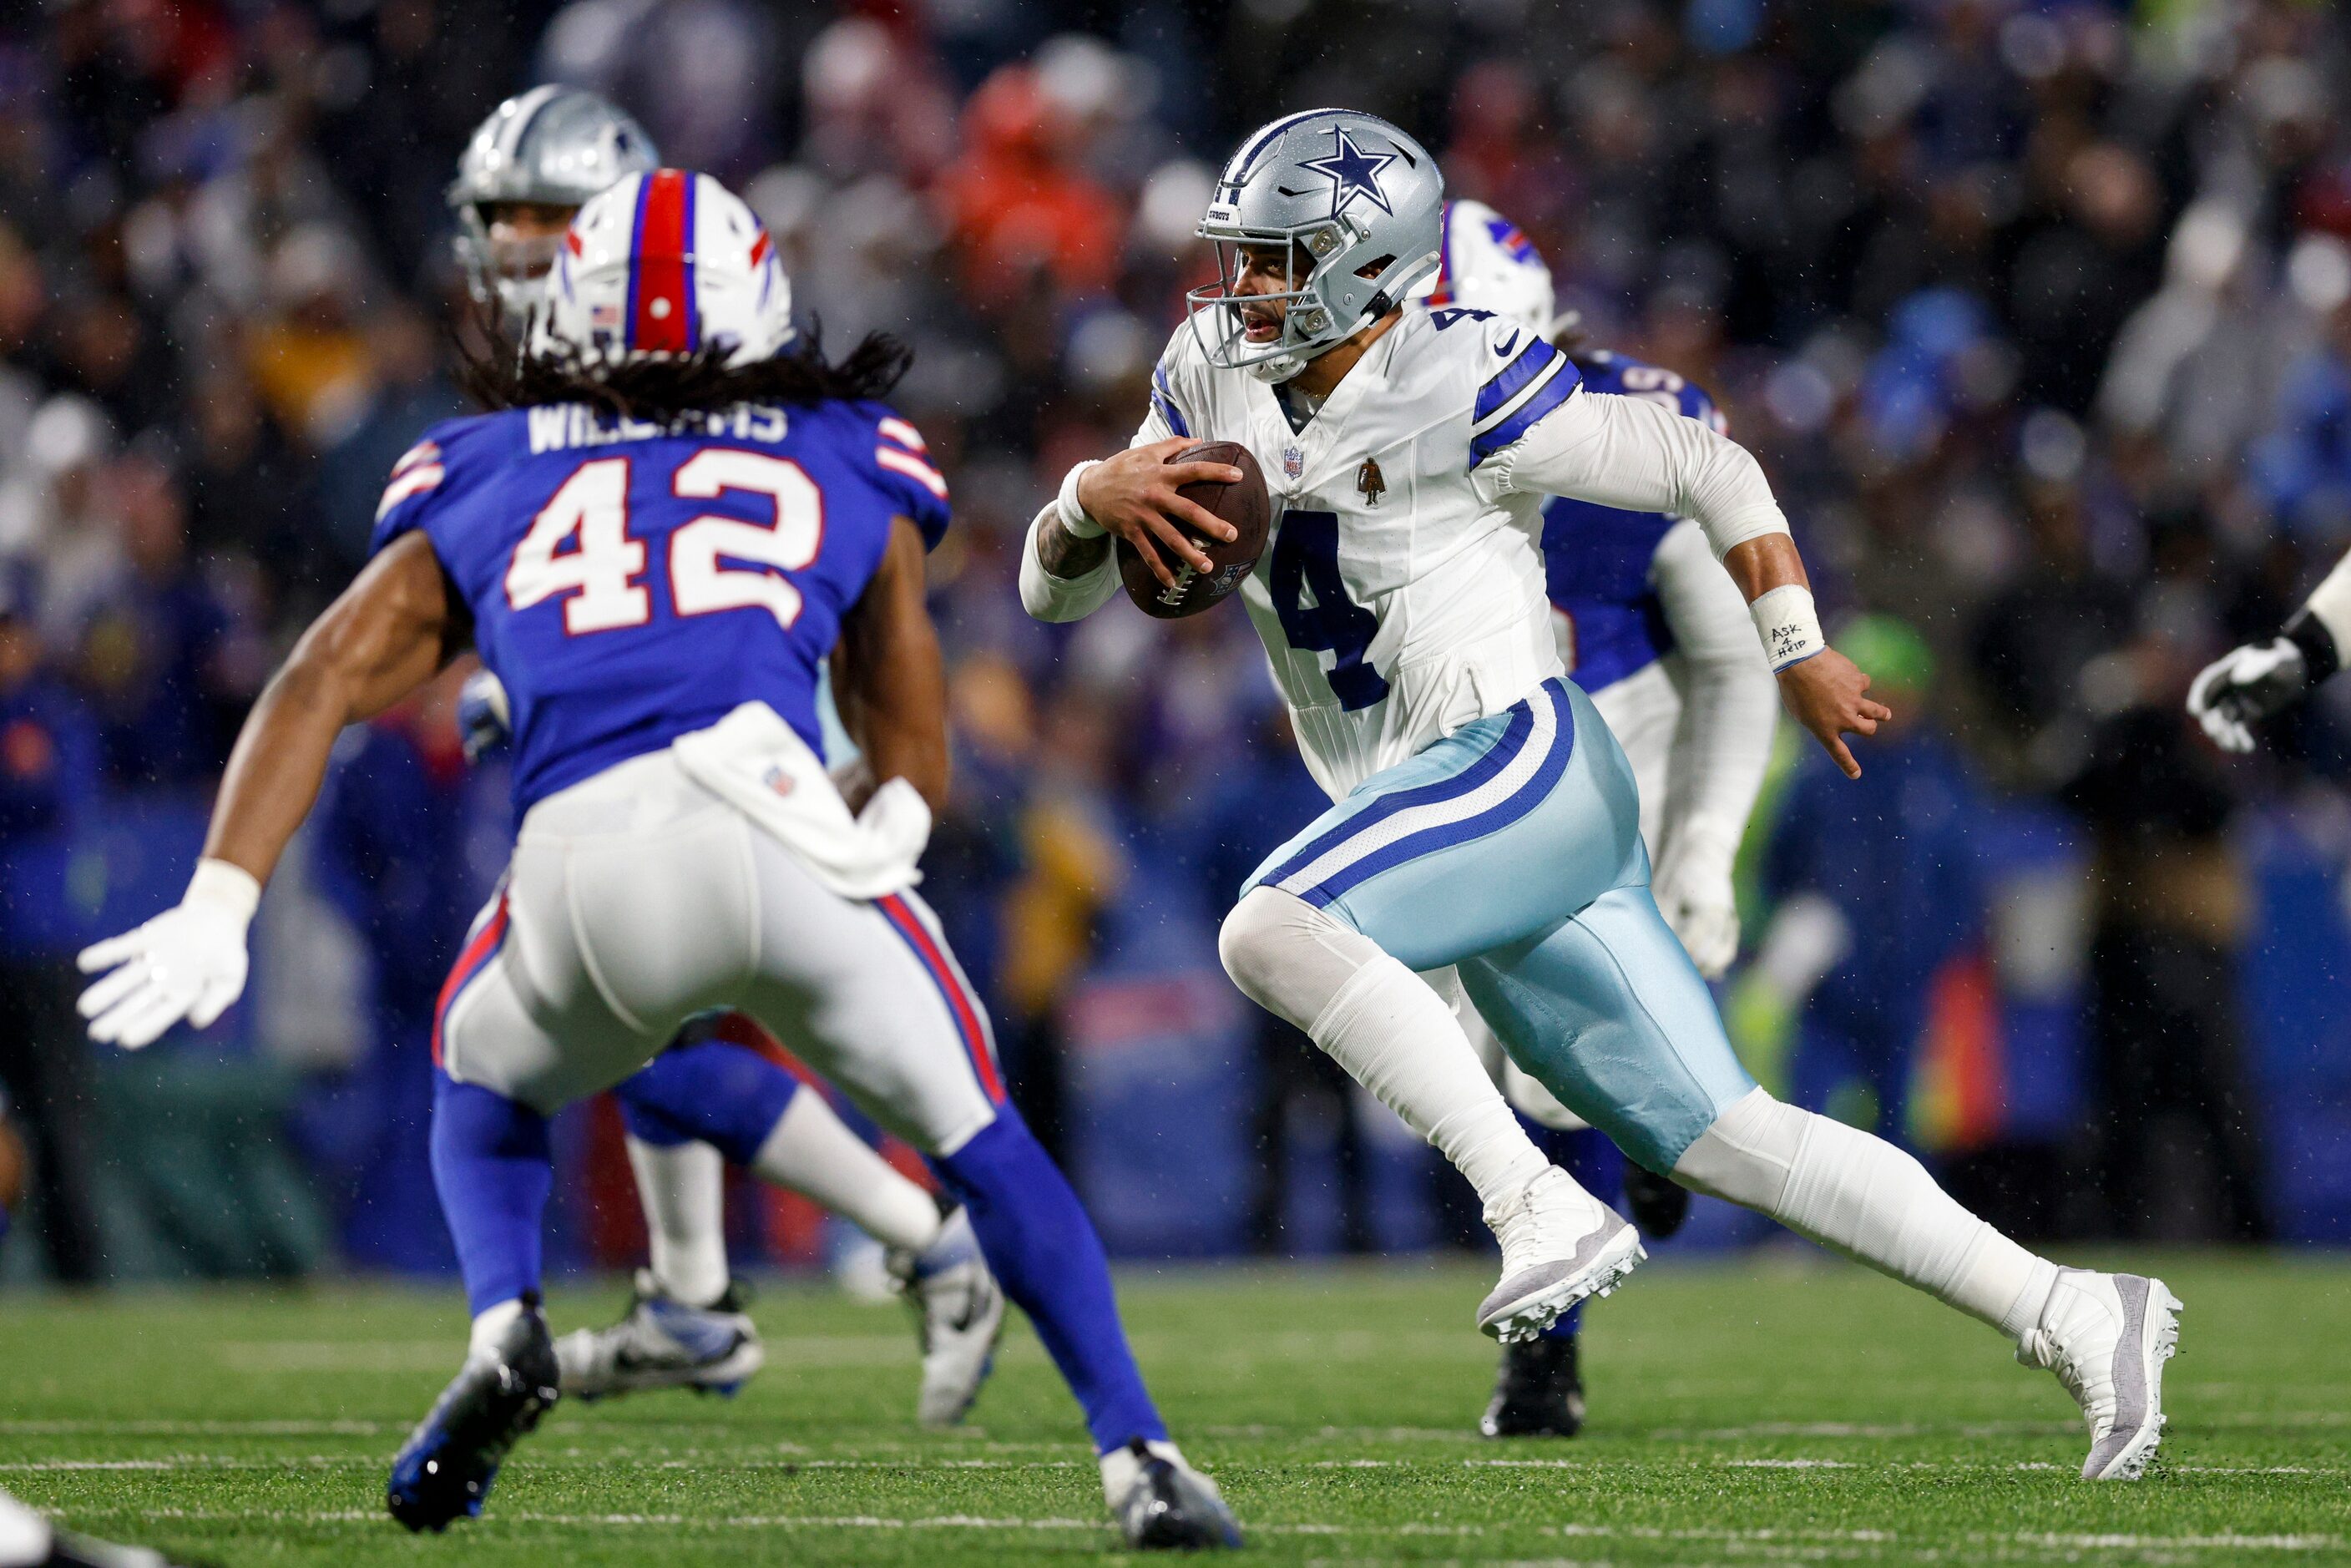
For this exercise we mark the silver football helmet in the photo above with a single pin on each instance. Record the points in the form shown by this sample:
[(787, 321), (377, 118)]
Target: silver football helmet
[(1355, 204), (554, 146)]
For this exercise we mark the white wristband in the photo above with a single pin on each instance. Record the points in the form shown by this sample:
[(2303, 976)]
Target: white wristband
[(1790, 629), (228, 887), (1074, 521), (2330, 606)]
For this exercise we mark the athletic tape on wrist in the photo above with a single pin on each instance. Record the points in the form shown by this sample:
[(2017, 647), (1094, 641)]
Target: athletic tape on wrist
[(225, 886), (2323, 630), (1074, 520), (1791, 628)]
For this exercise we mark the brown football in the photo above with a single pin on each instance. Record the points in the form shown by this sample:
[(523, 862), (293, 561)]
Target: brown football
[(1244, 505)]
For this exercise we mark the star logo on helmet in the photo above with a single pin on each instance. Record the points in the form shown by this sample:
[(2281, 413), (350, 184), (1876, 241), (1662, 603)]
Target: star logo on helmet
[(1353, 173)]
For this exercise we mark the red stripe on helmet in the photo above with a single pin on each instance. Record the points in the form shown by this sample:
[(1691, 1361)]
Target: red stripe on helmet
[(659, 306)]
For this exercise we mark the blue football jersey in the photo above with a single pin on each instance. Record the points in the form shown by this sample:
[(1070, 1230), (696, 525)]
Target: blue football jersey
[(632, 583), (1596, 559)]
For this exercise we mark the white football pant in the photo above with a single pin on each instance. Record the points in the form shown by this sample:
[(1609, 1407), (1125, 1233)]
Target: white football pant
[(638, 898)]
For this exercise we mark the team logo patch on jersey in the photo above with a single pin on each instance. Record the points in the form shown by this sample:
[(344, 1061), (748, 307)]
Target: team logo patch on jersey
[(1371, 482), (1293, 461)]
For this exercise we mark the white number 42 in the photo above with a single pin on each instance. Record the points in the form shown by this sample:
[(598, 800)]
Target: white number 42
[(588, 513)]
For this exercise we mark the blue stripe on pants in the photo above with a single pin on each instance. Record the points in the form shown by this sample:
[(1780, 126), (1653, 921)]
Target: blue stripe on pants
[(1443, 814), (1547, 914)]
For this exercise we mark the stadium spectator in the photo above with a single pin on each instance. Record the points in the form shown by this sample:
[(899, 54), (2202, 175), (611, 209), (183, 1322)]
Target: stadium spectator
[(1247, 815), (2176, 1126), (48, 773), (1885, 868), (165, 656)]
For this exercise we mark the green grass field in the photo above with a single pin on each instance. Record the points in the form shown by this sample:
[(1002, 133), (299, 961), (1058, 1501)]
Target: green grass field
[(1762, 1412)]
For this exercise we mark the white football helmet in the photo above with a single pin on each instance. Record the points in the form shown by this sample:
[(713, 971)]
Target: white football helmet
[(1485, 263), (663, 265), (1359, 195)]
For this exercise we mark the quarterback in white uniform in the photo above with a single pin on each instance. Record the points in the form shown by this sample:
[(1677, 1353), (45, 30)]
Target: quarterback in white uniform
[(1484, 816)]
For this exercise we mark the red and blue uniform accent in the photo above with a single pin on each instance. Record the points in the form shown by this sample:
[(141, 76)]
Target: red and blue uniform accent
[(480, 949), (971, 1023)]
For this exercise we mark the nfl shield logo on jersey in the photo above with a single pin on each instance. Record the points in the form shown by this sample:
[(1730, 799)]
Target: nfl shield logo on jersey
[(1293, 461)]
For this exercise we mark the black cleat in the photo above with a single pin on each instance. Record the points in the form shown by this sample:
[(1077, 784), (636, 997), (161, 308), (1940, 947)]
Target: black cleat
[(444, 1470), (1539, 1391), (1657, 1204), (1175, 1508)]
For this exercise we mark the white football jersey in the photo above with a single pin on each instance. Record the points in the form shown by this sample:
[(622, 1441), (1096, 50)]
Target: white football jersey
[(1398, 598)]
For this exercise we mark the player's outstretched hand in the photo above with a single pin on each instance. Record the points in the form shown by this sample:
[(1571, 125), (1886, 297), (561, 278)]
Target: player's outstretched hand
[(1830, 696), (1133, 495), (189, 962), (2245, 684)]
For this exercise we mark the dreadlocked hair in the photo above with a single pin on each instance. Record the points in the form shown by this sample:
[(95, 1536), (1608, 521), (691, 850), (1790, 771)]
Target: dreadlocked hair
[(494, 373)]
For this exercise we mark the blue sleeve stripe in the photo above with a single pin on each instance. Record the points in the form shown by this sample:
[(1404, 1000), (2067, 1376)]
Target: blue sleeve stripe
[(1163, 399), (1547, 397), (1515, 378)]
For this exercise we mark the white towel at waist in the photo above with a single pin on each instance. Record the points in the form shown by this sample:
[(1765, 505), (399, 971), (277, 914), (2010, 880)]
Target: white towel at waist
[(759, 764)]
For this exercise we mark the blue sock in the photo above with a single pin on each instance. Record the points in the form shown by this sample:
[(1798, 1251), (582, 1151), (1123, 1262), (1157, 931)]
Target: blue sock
[(1043, 1249), (729, 1096), (493, 1169)]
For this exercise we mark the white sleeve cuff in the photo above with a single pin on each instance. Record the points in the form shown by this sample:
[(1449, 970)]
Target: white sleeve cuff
[(1724, 534), (1050, 598), (1073, 515)]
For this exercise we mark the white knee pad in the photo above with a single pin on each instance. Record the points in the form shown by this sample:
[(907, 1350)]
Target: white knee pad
[(1287, 956), (1855, 1192)]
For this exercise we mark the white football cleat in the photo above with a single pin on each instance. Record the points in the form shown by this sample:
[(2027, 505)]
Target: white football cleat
[(958, 1310), (1559, 1245), (2106, 1337), (662, 1342)]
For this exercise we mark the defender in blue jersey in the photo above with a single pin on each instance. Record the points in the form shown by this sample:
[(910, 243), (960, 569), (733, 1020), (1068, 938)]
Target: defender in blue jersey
[(1650, 625), (675, 516), (713, 1096)]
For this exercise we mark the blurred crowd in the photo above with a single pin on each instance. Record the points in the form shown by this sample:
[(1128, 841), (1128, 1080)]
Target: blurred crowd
[(2037, 311)]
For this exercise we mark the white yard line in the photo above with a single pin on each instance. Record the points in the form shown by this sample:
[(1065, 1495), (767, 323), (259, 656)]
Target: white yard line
[(2041, 1540)]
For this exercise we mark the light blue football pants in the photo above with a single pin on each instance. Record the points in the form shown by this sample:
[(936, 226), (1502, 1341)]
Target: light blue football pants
[(1512, 849)]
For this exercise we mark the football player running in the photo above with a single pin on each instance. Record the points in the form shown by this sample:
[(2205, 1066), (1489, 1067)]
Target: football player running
[(1652, 627), (678, 513), (2261, 680), (705, 1102), (1485, 817)]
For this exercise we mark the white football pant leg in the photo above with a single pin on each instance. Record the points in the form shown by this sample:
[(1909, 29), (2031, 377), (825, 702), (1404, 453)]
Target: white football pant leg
[(630, 908), (869, 995)]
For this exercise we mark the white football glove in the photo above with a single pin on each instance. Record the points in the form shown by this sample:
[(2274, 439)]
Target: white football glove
[(1692, 885), (484, 721), (189, 962), (2245, 684)]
